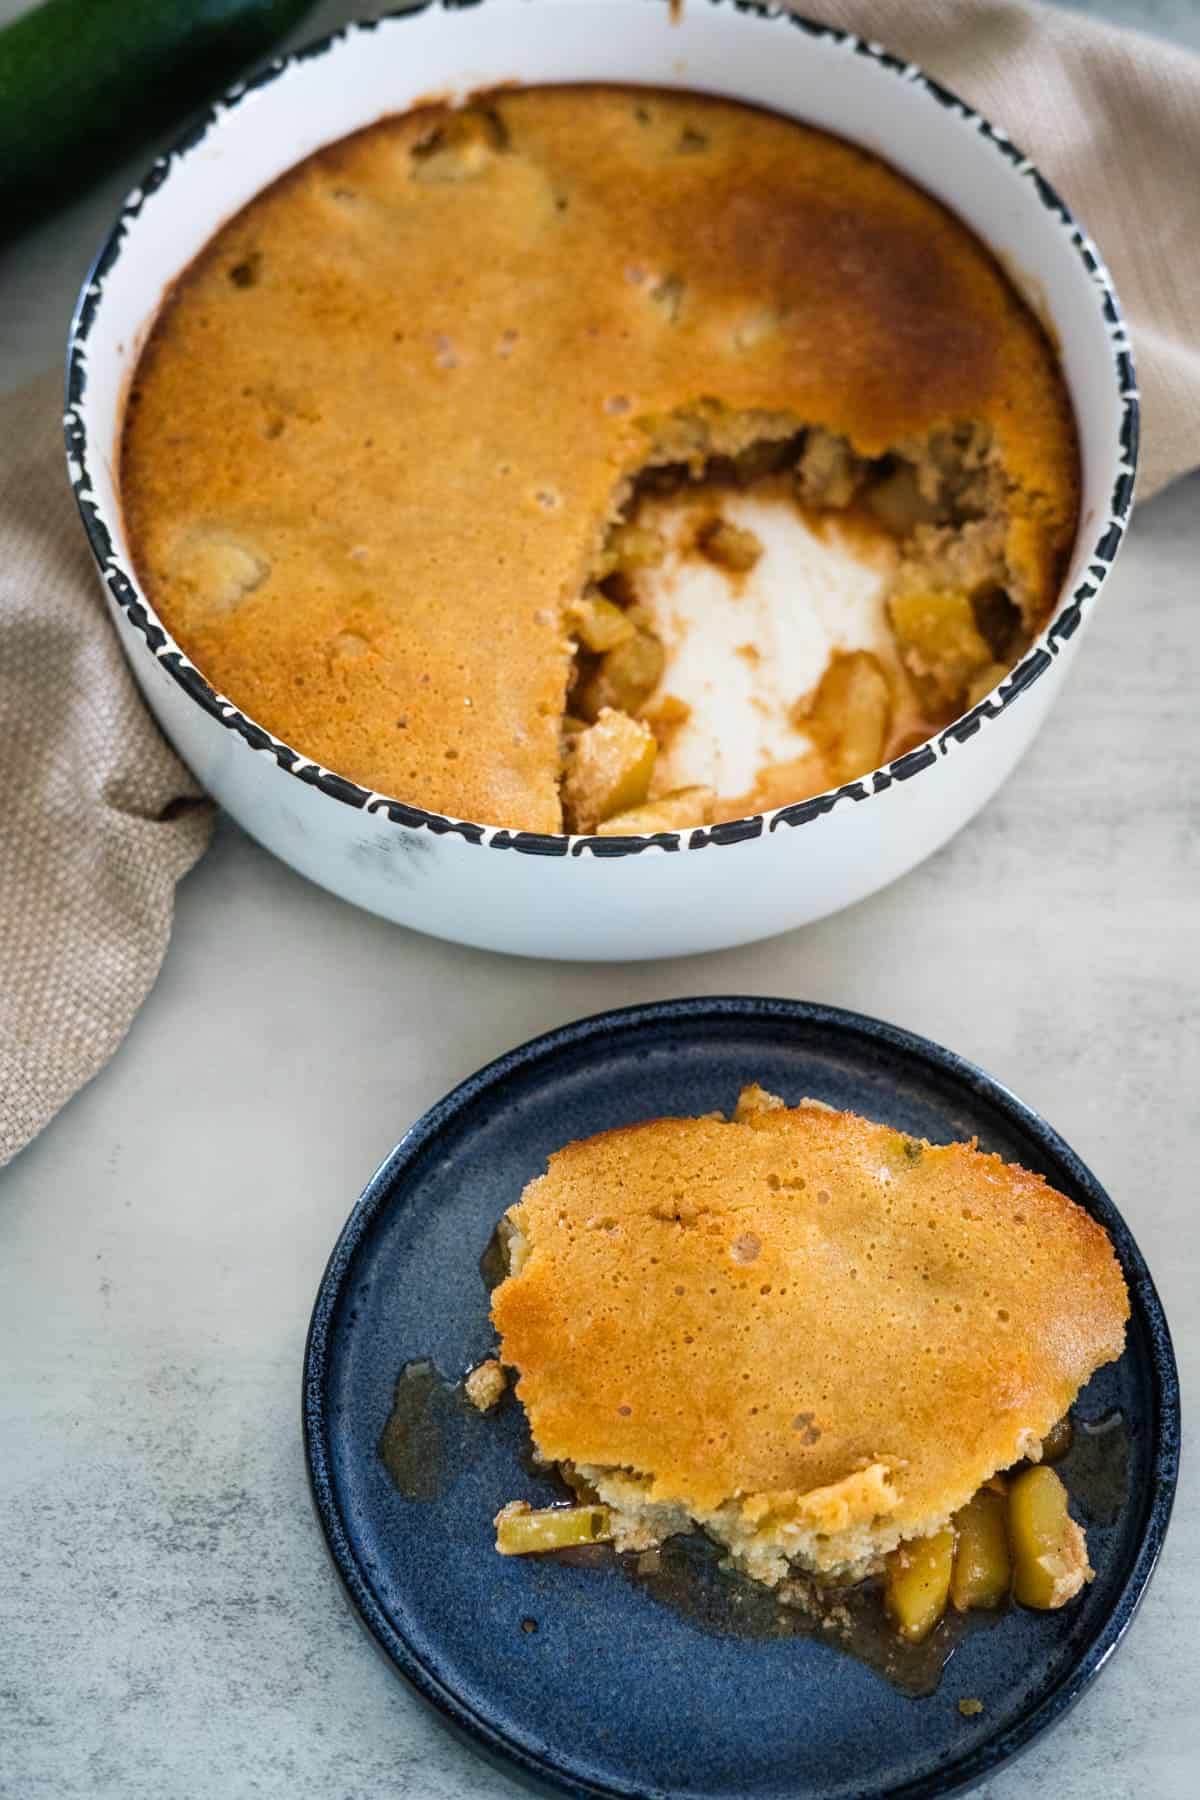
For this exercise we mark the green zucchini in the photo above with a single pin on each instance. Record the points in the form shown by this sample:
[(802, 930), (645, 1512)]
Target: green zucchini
[(85, 82)]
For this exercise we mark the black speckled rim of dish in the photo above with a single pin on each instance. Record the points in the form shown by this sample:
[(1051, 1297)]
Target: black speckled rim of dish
[(1164, 1426), (123, 587)]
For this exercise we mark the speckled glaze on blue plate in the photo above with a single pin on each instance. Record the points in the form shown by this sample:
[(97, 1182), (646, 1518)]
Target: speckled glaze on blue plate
[(614, 1694)]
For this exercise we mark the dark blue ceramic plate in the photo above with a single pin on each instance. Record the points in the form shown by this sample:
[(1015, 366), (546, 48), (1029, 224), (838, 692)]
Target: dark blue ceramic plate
[(578, 1677)]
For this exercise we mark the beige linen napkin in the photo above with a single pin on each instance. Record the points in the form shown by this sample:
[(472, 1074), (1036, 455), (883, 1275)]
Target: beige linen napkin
[(99, 820), (98, 817)]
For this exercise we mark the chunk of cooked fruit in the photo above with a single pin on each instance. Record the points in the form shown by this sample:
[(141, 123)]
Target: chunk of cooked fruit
[(1057, 1441), (728, 546), (607, 769), (898, 503), (918, 1583), (670, 812), (1049, 1550), (756, 327), (754, 1100), (982, 1571), (828, 473), (629, 548), (666, 716), (624, 679), (520, 1531), (600, 624), (850, 714), (218, 569), (512, 1244), (669, 295), (485, 1384), (939, 640), (460, 147), (348, 646)]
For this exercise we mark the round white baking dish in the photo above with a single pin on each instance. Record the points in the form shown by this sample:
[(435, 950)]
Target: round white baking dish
[(674, 893)]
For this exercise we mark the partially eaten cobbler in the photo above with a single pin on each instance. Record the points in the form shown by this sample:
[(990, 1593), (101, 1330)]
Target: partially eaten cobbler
[(954, 607), (598, 459)]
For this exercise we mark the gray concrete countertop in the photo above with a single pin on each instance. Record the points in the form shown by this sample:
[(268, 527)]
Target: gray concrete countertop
[(169, 1626)]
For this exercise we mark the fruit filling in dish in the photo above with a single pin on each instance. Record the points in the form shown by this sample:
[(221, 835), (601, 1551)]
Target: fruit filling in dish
[(782, 618)]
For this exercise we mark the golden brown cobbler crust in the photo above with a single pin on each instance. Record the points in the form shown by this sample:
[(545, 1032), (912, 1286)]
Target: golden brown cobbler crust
[(383, 419), (764, 1308)]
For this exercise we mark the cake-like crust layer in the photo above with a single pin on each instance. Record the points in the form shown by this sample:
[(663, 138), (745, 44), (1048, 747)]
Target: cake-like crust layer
[(383, 419), (841, 1329)]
